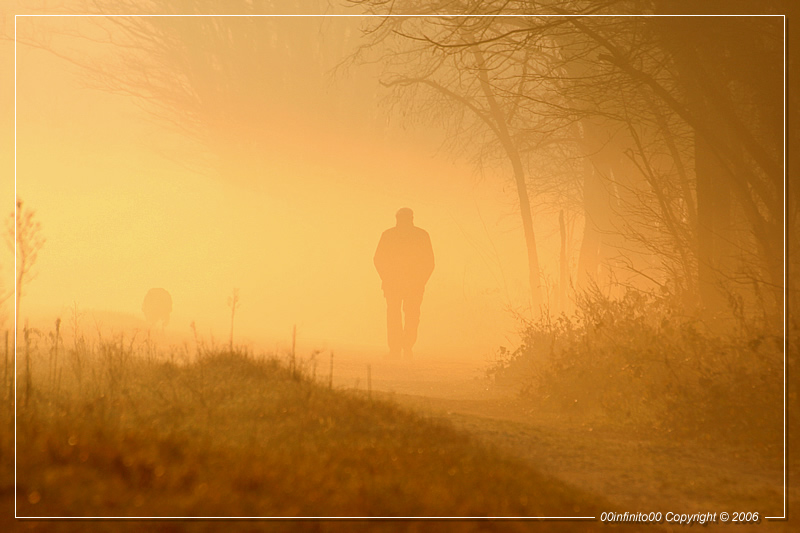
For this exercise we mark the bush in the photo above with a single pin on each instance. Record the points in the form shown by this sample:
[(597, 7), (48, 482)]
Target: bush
[(639, 361)]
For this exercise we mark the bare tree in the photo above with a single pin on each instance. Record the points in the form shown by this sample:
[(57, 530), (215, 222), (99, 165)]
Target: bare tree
[(664, 134), (226, 83), (678, 119), (25, 233), (466, 72)]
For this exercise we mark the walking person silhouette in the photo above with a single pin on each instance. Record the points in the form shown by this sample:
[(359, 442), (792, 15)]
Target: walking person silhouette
[(404, 260)]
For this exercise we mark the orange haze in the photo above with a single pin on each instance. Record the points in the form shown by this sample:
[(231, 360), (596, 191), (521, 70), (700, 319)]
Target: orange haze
[(126, 203)]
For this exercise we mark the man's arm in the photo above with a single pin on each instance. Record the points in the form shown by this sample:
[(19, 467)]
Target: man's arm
[(427, 260), (380, 258)]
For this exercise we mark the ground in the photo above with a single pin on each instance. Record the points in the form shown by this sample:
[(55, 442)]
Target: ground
[(637, 469), (610, 468)]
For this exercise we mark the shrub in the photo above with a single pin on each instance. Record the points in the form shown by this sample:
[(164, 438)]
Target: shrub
[(640, 361)]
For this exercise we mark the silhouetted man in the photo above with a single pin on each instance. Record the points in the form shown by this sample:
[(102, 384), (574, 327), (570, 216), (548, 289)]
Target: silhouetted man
[(404, 260)]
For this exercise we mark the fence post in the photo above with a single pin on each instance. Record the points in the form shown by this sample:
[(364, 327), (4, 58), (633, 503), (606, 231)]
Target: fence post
[(28, 382), (294, 345), (56, 370), (330, 377), (5, 369)]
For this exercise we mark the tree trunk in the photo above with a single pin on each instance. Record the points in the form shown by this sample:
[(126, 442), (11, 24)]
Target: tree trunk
[(713, 225), (589, 256), (600, 157), (563, 278), (520, 181)]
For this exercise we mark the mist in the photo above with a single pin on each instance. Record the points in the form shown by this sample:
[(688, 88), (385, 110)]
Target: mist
[(288, 211), (411, 265)]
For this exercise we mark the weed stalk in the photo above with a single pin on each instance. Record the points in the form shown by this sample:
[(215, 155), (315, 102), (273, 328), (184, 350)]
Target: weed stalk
[(294, 346), (5, 369), (28, 380), (330, 376)]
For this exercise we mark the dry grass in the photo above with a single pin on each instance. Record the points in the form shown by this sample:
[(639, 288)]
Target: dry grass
[(641, 363), (229, 435)]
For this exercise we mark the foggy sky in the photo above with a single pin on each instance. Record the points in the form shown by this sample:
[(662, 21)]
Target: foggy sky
[(126, 204)]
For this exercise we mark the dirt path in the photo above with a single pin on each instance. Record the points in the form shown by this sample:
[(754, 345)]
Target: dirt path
[(638, 472)]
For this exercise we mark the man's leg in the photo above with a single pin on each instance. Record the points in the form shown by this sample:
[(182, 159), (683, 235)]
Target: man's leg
[(411, 308), (394, 323)]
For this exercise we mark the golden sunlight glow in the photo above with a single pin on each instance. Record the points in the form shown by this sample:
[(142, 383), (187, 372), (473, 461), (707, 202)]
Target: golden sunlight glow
[(127, 204)]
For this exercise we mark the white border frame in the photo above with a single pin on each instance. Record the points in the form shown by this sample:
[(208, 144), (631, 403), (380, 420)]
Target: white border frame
[(383, 518)]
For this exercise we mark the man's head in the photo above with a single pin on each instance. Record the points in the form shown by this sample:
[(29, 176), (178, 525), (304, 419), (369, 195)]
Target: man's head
[(405, 217)]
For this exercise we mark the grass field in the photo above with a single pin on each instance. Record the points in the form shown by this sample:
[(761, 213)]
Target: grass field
[(117, 433)]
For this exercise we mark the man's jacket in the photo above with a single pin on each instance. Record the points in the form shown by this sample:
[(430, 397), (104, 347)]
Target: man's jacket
[(404, 258)]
